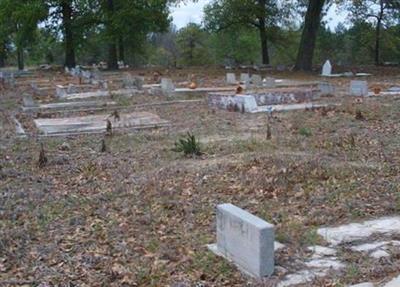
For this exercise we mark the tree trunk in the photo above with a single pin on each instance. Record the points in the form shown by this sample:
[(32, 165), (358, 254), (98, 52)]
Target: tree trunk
[(378, 43), (121, 49), (112, 46), (263, 31), (2, 55), (264, 42), (309, 37), (112, 57), (68, 34), (378, 35), (20, 58)]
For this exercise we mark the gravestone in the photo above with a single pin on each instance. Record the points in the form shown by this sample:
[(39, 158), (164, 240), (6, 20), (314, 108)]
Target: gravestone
[(28, 101), (327, 69), (327, 89), (167, 86), (231, 78), (245, 78), (257, 80), (359, 88), (269, 82), (246, 240)]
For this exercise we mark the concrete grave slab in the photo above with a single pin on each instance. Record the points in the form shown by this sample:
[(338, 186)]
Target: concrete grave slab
[(89, 105), (269, 82), (256, 80), (231, 79), (359, 88), (366, 284), (97, 123), (393, 283), (358, 231), (245, 78), (100, 94), (167, 86), (246, 240)]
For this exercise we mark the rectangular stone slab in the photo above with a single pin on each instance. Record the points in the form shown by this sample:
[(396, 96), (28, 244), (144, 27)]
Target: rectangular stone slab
[(97, 123), (71, 106), (245, 239)]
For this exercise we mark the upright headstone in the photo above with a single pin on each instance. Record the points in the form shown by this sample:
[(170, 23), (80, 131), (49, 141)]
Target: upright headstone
[(359, 88), (28, 101), (245, 239), (167, 86), (245, 78), (231, 78), (269, 82), (257, 80), (327, 69), (326, 89)]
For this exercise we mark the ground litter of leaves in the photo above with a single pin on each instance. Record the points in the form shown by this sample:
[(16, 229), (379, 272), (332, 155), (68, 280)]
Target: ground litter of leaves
[(141, 215)]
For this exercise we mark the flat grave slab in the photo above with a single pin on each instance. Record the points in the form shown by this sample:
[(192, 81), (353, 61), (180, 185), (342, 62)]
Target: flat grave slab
[(97, 123), (70, 106), (87, 95)]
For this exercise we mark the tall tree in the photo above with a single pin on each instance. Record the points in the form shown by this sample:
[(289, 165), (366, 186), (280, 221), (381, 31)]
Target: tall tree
[(309, 36), (382, 13), (20, 19), (126, 22), (263, 15)]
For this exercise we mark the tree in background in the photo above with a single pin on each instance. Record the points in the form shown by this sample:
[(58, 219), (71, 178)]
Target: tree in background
[(308, 40), (260, 14), (382, 13), (19, 19), (192, 43), (127, 22)]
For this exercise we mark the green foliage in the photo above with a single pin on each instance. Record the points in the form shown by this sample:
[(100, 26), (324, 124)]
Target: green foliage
[(192, 42), (306, 132), (188, 145)]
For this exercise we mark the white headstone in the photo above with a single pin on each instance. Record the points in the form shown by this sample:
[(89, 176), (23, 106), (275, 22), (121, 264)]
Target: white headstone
[(245, 78), (359, 88), (231, 79), (245, 239), (269, 82), (256, 80), (167, 86), (327, 69)]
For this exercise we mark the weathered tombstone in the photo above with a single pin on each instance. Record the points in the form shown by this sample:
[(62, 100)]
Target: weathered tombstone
[(269, 82), (246, 240), (231, 78), (326, 89), (245, 78), (167, 86), (61, 91), (257, 80), (359, 88), (327, 69), (28, 101)]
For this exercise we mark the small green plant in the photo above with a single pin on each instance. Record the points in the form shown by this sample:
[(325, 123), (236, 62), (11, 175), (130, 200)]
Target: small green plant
[(188, 145), (305, 132)]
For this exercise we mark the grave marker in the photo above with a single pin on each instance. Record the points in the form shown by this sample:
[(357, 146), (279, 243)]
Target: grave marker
[(231, 78), (269, 82), (167, 86), (359, 88), (245, 78), (257, 80), (327, 69), (246, 240)]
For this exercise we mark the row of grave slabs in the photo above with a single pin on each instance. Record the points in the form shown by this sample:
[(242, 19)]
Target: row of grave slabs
[(67, 106), (85, 106)]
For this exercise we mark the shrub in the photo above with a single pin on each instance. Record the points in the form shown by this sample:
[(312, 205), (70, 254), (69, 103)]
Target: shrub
[(188, 145)]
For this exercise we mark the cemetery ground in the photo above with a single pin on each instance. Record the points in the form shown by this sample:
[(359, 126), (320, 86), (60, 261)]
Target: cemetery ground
[(141, 214)]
